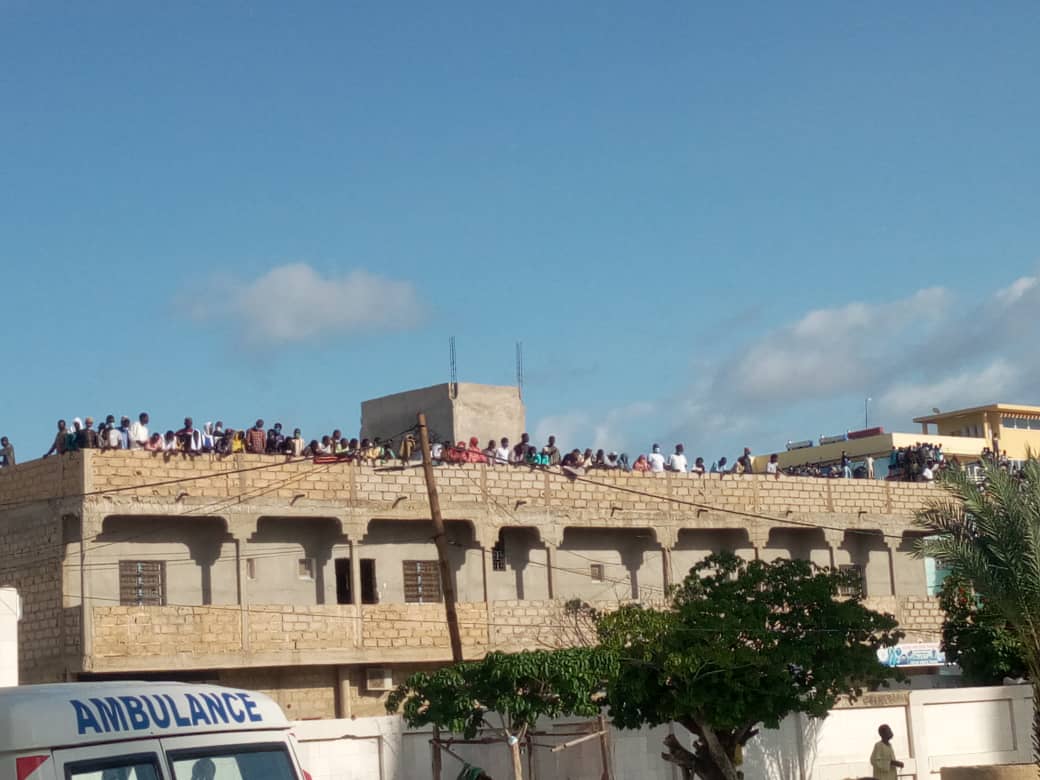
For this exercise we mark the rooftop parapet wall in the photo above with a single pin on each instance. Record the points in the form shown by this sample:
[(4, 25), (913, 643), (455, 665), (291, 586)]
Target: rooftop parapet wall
[(141, 482), (44, 478)]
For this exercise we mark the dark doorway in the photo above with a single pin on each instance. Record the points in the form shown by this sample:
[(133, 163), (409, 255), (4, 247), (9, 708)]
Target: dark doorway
[(343, 594), (369, 586)]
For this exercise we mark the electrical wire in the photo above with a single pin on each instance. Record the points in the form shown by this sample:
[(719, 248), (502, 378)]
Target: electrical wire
[(276, 608)]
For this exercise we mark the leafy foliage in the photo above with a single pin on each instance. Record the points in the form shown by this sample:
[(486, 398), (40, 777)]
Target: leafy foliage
[(521, 687), (988, 535), (977, 637), (744, 643)]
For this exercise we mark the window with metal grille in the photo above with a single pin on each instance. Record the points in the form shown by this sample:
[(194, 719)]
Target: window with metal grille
[(596, 572), (856, 587), (498, 556), (142, 583), (422, 582)]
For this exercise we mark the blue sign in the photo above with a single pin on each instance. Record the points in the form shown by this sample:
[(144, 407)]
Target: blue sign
[(921, 654)]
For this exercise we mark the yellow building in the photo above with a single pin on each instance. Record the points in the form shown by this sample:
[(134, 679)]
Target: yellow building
[(1013, 428), (962, 434)]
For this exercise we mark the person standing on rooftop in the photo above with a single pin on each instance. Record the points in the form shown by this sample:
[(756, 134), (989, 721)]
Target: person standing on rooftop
[(656, 459), (552, 452), (58, 445), (86, 437), (677, 460), (256, 439), (6, 453), (139, 432), (502, 453)]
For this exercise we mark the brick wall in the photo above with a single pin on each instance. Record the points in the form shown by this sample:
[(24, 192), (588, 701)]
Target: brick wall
[(31, 541), (135, 474), (43, 478), (920, 617), (489, 498), (303, 692)]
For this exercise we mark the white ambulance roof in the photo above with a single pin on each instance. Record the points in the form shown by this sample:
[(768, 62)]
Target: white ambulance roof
[(45, 716)]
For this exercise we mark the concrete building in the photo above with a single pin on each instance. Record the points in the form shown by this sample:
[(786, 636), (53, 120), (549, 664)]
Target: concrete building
[(962, 433), (1011, 427), (453, 411), (317, 582)]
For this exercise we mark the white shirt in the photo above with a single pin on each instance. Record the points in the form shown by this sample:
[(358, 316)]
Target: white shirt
[(502, 454), (927, 474), (677, 462), (138, 435), (656, 460), (772, 468)]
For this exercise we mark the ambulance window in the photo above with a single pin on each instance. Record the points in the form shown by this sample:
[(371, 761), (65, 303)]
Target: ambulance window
[(240, 762), (137, 767)]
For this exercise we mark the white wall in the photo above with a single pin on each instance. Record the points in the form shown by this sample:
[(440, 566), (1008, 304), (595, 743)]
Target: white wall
[(933, 729), (10, 614)]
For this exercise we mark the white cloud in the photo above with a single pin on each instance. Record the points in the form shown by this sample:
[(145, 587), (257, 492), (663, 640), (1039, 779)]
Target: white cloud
[(294, 303), (606, 431), (970, 387), (912, 353), (829, 351), (1016, 290)]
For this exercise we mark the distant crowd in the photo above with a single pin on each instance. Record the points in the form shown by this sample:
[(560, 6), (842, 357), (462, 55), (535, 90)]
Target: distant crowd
[(212, 438), (216, 438), (920, 463)]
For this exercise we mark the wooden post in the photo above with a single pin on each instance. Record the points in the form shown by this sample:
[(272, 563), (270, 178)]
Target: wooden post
[(666, 568), (436, 744), (447, 587), (604, 747), (550, 564)]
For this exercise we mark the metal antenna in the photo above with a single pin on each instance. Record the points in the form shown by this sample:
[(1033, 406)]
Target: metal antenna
[(454, 368), (520, 367)]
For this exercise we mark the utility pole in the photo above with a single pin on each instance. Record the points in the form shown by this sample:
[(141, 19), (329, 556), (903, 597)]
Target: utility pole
[(439, 539)]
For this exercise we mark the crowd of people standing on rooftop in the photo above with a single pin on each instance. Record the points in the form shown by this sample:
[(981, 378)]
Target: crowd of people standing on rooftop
[(919, 463), (212, 438)]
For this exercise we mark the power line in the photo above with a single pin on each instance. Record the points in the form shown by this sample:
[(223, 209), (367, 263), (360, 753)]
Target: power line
[(193, 478), (559, 474), (274, 609)]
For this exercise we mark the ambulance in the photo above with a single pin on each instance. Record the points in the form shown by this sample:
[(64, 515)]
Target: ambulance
[(143, 731)]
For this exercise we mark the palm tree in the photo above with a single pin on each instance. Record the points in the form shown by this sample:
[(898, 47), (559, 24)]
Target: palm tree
[(988, 532)]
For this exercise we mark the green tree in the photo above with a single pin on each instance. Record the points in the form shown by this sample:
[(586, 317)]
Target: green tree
[(514, 688), (977, 637), (742, 645), (988, 534)]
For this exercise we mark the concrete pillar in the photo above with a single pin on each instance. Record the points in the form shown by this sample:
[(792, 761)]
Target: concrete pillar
[(344, 705), (667, 538), (758, 534), (484, 571), (893, 548), (243, 590), (92, 524), (242, 528), (355, 574), (834, 539)]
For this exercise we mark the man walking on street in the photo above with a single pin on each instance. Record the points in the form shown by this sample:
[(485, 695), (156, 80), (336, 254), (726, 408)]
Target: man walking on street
[(883, 758)]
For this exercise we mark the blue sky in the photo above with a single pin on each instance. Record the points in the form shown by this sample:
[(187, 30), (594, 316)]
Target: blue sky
[(724, 225)]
